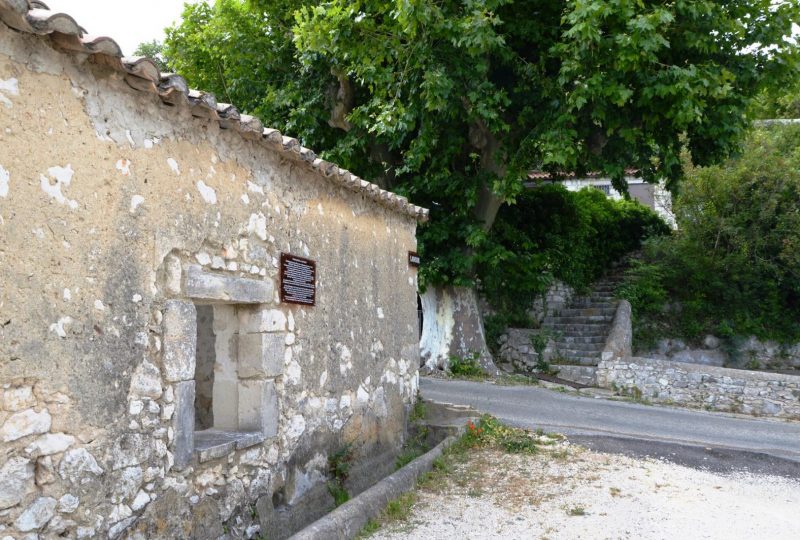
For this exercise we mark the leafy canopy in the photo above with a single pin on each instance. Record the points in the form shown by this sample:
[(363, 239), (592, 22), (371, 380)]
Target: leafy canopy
[(555, 234), (452, 102), (733, 267)]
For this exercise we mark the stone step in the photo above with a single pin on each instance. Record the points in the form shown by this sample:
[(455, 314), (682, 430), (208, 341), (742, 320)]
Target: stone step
[(588, 347), (606, 310), (577, 319), (573, 353), (586, 303), (570, 339), (583, 330), (584, 300), (609, 296)]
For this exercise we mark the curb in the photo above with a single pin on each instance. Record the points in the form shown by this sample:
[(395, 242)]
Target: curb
[(346, 521)]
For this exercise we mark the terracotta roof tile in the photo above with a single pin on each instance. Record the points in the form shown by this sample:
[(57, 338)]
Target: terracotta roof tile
[(142, 74)]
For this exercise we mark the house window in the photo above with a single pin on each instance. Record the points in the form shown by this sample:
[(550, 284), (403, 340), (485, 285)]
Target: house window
[(223, 359), (235, 399), (605, 188)]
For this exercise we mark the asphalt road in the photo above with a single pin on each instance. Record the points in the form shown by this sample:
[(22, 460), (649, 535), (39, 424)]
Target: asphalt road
[(694, 438)]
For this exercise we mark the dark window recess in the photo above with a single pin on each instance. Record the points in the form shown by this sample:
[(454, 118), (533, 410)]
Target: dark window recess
[(206, 357), (419, 315)]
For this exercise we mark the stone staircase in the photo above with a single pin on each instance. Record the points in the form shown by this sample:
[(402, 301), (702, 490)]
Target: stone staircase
[(580, 329)]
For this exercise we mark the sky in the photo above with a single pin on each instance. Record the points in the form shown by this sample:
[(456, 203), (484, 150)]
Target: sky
[(128, 22)]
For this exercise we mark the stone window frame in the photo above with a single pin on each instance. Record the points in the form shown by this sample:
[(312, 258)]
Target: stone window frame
[(260, 353)]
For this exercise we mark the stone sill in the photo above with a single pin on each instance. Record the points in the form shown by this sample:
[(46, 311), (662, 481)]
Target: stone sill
[(213, 443)]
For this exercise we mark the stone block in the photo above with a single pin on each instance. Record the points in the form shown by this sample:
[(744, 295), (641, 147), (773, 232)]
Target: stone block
[(214, 287), (18, 398), (76, 466), (172, 270), (258, 320), (50, 443), (37, 514), (183, 424), (131, 449), (24, 423), (225, 404), (16, 480), (145, 381), (258, 407), (178, 358), (180, 319), (260, 355)]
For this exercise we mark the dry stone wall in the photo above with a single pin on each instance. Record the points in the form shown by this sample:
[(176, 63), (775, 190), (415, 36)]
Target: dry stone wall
[(118, 216), (709, 387), (747, 353)]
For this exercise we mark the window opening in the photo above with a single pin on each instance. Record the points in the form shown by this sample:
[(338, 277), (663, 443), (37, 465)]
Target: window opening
[(206, 357)]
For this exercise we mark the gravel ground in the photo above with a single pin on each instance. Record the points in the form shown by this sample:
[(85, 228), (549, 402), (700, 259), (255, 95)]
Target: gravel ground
[(568, 492)]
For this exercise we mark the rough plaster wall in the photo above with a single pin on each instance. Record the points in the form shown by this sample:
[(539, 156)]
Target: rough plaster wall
[(98, 184)]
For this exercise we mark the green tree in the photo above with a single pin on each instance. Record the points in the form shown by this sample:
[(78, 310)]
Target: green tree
[(154, 50), (733, 266), (782, 102), (452, 102)]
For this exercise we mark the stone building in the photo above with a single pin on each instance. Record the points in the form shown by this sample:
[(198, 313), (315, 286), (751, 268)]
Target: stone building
[(163, 372)]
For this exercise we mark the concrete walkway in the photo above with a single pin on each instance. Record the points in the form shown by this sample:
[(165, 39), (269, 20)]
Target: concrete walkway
[(583, 418)]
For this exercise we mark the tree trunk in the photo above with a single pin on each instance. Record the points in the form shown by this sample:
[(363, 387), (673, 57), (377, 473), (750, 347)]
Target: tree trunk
[(452, 323), (452, 326), (488, 206)]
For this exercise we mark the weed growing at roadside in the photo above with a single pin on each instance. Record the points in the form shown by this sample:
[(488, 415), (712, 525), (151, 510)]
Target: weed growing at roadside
[(576, 511), (417, 444), (396, 511), (418, 411), (467, 366), (633, 393), (339, 470), (490, 432)]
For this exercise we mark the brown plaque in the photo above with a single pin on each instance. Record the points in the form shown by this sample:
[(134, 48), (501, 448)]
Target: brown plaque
[(298, 280), (413, 259)]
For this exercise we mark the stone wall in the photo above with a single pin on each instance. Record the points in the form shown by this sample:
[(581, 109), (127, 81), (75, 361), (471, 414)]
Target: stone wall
[(619, 342), (515, 344), (558, 296), (516, 348), (709, 387), (745, 353), (118, 212)]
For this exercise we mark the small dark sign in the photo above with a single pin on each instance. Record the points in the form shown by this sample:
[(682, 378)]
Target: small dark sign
[(298, 280), (413, 259)]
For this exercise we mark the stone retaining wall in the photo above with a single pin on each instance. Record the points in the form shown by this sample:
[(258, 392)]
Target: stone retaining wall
[(710, 387), (744, 353), (516, 348)]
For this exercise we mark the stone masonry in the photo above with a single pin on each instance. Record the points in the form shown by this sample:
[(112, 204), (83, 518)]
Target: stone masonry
[(709, 387), (128, 203)]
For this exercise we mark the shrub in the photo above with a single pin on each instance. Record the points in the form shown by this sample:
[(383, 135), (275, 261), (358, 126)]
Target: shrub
[(466, 366), (733, 267)]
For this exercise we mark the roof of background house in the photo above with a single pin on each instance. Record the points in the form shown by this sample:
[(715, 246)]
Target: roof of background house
[(142, 74), (544, 175)]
